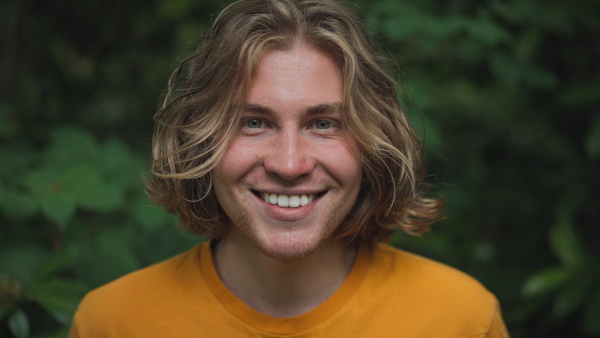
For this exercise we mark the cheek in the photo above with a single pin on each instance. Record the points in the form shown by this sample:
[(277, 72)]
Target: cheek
[(226, 175), (353, 172), (238, 159), (344, 163)]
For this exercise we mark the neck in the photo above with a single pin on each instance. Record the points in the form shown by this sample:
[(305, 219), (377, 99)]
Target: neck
[(282, 288)]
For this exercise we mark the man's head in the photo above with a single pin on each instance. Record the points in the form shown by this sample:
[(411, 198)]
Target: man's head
[(205, 106), (290, 174)]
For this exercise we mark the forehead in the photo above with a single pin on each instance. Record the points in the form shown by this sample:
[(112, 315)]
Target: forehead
[(301, 75)]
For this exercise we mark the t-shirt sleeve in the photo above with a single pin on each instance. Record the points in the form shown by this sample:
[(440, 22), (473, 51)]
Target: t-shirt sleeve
[(73, 332), (88, 324), (497, 327)]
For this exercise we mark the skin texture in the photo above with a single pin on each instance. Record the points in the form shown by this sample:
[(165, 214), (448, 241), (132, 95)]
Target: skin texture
[(283, 261), (291, 142)]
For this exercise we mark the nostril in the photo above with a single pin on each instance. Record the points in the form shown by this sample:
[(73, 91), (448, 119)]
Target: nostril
[(287, 167)]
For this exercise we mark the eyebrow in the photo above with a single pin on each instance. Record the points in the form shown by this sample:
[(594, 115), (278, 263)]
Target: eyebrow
[(323, 108)]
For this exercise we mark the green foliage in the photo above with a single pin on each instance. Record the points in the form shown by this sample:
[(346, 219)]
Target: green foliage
[(19, 324), (510, 91), (510, 96), (73, 215)]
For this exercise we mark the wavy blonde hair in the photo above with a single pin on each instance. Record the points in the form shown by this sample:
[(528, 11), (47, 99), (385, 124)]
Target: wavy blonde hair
[(203, 106)]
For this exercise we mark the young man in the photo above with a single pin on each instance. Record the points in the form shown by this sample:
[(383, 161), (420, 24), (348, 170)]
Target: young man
[(284, 142)]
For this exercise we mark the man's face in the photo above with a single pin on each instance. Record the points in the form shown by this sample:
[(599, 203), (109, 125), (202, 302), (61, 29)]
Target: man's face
[(291, 174)]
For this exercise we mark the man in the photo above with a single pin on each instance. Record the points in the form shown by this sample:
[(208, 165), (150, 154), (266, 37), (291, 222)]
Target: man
[(285, 143)]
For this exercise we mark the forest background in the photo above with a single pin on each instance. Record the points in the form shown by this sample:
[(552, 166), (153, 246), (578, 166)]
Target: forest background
[(510, 91)]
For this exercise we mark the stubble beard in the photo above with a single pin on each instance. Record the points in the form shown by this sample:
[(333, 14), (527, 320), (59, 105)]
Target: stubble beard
[(245, 223)]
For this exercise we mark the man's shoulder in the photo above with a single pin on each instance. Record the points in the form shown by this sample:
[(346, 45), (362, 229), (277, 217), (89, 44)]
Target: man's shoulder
[(159, 280), (418, 266), (428, 296), (423, 276)]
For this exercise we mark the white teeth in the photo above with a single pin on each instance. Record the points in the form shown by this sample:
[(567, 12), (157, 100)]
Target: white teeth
[(288, 201), (304, 200), (283, 201), (294, 201)]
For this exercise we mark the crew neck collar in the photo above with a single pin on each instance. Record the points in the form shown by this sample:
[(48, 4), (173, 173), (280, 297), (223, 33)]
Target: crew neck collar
[(274, 325)]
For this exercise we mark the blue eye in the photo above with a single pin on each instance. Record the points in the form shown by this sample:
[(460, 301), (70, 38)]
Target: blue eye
[(323, 124), (254, 123)]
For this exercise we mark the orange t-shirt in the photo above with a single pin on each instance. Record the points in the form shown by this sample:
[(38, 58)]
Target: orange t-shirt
[(388, 293)]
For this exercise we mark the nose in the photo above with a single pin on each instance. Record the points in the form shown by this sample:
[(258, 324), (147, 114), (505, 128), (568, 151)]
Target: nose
[(289, 156)]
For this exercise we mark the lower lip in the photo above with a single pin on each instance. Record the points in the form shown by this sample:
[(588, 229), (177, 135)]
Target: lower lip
[(289, 214)]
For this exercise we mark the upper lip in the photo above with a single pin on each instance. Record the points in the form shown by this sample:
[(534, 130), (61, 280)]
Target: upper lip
[(290, 192)]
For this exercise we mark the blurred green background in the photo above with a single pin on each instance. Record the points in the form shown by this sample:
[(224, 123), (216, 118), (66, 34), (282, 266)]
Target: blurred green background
[(510, 91)]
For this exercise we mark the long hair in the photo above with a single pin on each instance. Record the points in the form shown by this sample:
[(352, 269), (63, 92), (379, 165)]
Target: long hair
[(203, 106)]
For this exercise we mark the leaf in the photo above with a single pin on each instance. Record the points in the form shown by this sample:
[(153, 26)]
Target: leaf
[(19, 261), (527, 44), (115, 244), (40, 181), (116, 155), (16, 157), (60, 307), (444, 28), (56, 262), (175, 9), (110, 256), (571, 297), (98, 196), (164, 243), (19, 324), (433, 137), (71, 144), (544, 281), (506, 69), (53, 191), (17, 205), (89, 190), (77, 174), (487, 32), (398, 21), (565, 244), (149, 215), (119, 166), (59, 206), (59, 297)]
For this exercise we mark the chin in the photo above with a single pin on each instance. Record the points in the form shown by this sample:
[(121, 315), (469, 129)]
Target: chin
[(289, 246)]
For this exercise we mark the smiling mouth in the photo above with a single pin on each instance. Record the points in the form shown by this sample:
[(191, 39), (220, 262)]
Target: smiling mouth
[(288, 201)]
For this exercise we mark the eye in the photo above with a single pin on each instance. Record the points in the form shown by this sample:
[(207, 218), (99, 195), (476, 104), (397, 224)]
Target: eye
[(254, 123), (323, 124)]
